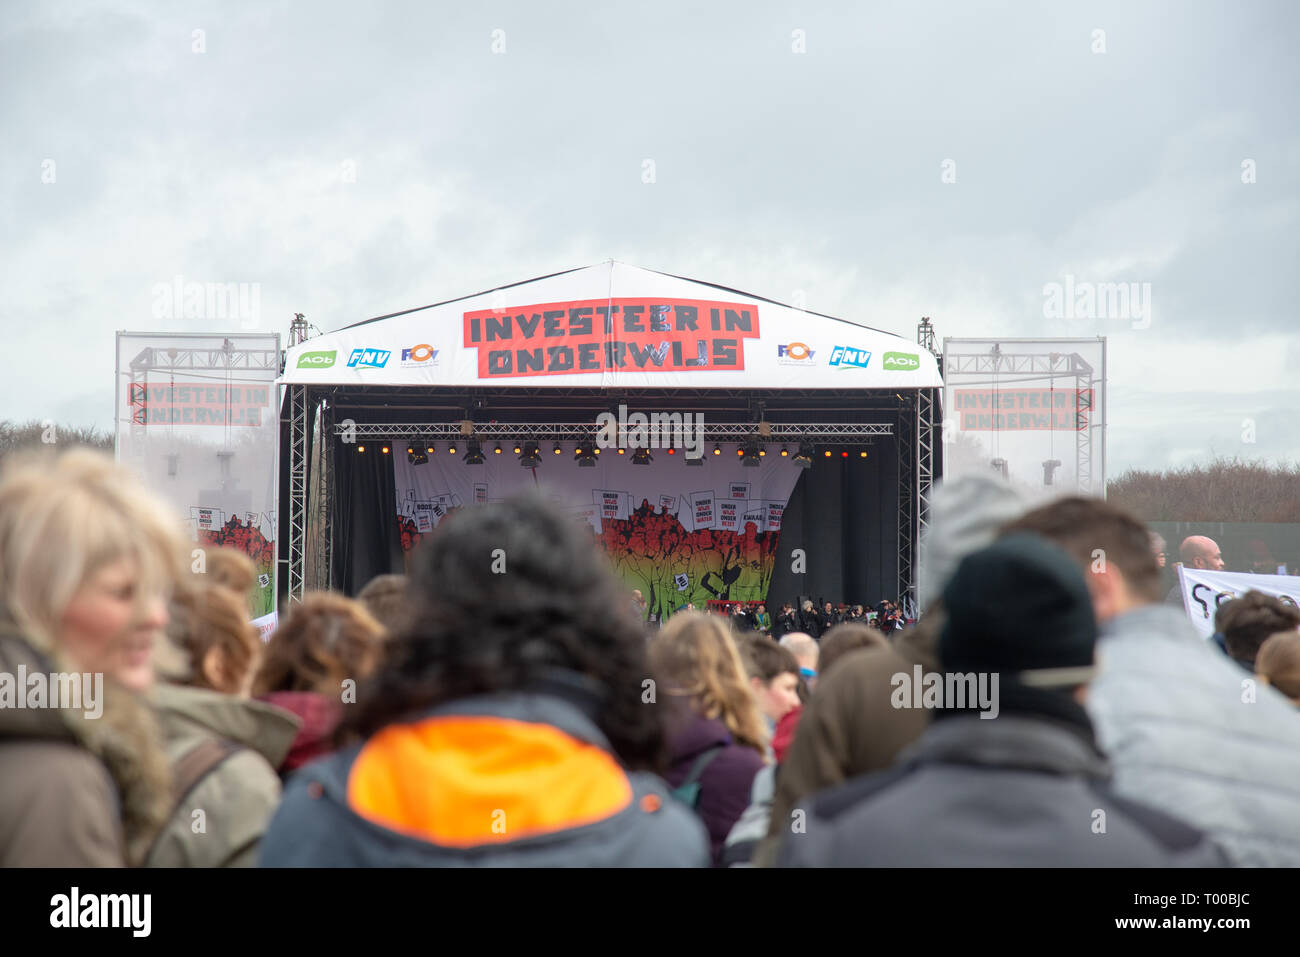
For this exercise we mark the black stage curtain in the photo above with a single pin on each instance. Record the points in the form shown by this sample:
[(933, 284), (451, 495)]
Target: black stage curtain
[(366, 538), (843, 513)]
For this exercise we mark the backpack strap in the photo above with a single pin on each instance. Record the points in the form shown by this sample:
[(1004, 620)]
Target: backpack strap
[(688, 792), (190, 770)]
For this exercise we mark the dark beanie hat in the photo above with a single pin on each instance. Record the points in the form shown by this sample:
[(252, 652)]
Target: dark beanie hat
[(1021, 608)]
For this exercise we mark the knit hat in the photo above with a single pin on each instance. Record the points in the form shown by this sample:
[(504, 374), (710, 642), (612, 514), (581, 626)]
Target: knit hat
[(1020, 608), (965, 514)]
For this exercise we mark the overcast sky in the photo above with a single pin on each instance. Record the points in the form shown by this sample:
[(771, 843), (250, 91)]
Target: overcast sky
[(948, 160)]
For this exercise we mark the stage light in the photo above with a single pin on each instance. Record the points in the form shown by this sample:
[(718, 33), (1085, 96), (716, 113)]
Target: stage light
[(844, 455), (497, 450), (361, 448), (557, 450), (475, 454), (717, 450), (671, 450), (804, 457), (518, 449), (429, 450), (531, 457), (828, 453), (596, 450), (862, 454), (410, 450), (384, 450), (740, 450), (784, 451), (451, 449), (622, 451), (641, 457), (762, 453)]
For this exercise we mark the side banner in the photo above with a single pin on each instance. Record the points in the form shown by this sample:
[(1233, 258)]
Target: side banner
[(1204, 592)]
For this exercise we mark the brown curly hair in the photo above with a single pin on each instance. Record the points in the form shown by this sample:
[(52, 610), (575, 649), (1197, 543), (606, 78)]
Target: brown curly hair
[(324, 640)]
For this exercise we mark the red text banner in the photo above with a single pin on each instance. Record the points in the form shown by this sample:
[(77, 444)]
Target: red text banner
[(198, 403), (1022, 409), (600, 335)]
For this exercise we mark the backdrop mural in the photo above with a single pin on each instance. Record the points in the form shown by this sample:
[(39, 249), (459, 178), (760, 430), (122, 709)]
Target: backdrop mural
[(681, 534)]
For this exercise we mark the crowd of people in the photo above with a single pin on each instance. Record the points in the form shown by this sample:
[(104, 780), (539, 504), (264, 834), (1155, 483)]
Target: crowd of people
[(1045, 709)]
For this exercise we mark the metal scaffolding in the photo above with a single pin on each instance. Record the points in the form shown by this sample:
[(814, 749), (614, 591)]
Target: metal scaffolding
[(1034, 366)]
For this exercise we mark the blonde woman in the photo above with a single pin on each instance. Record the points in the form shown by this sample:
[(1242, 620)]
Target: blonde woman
[(717, 735), (87, 561)]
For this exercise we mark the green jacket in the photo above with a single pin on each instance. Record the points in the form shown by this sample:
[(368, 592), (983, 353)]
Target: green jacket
[(219, 823)]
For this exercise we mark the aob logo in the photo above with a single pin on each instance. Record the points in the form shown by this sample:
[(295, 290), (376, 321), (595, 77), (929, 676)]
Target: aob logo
[(317, 360), (901, 361)]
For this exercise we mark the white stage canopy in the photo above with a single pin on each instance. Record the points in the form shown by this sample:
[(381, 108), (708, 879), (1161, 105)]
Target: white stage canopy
[(613, 326)]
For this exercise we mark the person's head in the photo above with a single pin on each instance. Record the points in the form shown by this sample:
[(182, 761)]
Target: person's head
[(695, 657), (827, 607), (857, 610), (1197, 551), (807, 604), (324, 640), (965, 514), (1020, 610), (1158, 548), (773, 675), (213, 644), (1111, 546), (1247, 622), (637, 597), (805, 651), (1278, 664), (88, 559), (553, 613), (842, 639), (385, 598)]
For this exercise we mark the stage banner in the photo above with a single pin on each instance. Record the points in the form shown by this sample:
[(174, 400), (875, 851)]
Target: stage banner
[(196, 417), (1205, 591), (680, 534)]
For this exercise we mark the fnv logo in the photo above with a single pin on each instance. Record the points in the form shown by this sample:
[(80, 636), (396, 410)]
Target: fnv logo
[(421, 354), (900, 360), (794, 350), (847, 357), (368, 358), (317, 360)]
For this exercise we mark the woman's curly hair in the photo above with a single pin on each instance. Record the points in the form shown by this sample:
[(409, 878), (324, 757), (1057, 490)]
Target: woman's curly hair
[(501, 595)]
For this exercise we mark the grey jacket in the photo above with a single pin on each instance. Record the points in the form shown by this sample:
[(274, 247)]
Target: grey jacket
[(1015, 791), (1189, 732)]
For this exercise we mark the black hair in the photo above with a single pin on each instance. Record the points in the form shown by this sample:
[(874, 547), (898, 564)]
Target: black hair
[(506, 596)]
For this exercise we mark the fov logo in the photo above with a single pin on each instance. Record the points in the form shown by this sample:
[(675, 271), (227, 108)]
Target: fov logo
[(317, 360), (846, 357), (368, 358), (900, 360)]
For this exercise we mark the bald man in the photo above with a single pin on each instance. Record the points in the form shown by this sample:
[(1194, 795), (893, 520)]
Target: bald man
[(1196, 551)]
